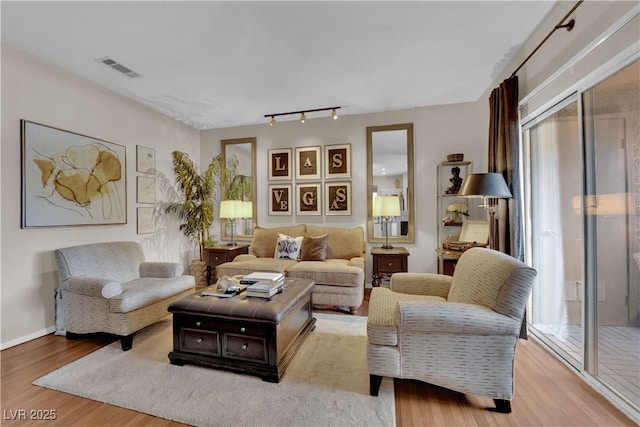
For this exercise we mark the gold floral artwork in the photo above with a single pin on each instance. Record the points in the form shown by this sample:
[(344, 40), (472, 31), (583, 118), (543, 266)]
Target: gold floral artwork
[(71, 179)]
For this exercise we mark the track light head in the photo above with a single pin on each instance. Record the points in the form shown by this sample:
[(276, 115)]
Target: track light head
[(302, 117), (334, 115), (272, 121)]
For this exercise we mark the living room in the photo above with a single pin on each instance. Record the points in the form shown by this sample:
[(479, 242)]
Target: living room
[(36, 90)]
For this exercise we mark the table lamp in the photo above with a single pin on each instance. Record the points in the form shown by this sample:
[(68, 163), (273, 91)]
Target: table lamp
[(486, 185), (386, 207), (246, 213), (231, 210)]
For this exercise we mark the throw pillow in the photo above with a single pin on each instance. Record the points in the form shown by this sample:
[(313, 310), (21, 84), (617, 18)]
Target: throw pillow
[(314, 248), (288, 247)]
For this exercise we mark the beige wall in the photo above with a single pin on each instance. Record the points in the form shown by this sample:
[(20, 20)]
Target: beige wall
[(42, 93), (437, 132)]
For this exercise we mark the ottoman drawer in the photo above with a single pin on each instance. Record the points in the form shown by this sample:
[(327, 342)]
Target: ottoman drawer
[(245, 347), (199, 341)]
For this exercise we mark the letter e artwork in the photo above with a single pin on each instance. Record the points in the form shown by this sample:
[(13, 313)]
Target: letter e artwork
[(280, 200)]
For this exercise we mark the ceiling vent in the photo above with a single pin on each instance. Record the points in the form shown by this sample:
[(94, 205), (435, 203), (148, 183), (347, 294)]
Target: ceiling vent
[(118, 67)]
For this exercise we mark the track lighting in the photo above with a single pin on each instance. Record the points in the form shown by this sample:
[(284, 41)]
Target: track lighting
[(303, 117)]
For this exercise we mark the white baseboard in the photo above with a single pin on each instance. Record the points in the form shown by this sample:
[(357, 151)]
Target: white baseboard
[(26, 338)]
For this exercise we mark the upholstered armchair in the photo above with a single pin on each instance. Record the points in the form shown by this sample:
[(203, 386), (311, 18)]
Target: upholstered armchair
[(109, 287), (456, 332)]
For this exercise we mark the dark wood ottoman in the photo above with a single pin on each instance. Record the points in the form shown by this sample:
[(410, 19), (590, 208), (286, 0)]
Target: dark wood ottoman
[(243, 334)]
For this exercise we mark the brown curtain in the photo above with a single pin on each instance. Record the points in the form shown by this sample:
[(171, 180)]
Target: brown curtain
[(504, 158), (504, 154)]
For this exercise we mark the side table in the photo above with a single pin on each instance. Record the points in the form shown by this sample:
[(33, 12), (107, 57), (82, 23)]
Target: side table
[(217, 255), (388, 261), (447, 260)]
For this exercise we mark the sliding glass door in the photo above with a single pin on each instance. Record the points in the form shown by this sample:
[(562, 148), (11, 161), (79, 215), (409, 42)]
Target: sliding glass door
[(583, 164), (556, 228)]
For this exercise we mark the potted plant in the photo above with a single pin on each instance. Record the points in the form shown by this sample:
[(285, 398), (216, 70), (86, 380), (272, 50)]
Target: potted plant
[(199, 196)]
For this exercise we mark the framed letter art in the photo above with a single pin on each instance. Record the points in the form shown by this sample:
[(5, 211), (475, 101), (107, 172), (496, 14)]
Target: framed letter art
[(337, 161), (280, 164), (309, 200), (308, 163), (337, 198), (71, 179), (280, 199)]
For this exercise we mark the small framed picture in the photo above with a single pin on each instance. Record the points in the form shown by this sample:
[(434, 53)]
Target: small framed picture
[(337, 198), (308, 164), (146, 189), (146, 221), (145, 159), (280, 164), (337, 161), (280, 199), (309, 199)]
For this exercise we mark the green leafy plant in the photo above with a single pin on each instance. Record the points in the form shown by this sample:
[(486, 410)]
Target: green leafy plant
[(235, 186), (199, 194)]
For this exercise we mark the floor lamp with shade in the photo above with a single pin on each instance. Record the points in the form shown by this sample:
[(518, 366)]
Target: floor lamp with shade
[(487, 186)]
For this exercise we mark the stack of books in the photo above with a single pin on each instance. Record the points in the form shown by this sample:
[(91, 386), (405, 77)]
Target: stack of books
[(264, 284), (259, 276)]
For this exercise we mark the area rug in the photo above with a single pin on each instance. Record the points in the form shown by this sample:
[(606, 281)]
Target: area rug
[(326, 384)]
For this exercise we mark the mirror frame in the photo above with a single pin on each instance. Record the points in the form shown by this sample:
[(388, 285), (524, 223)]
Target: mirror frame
[(410, 237), (224, 144)]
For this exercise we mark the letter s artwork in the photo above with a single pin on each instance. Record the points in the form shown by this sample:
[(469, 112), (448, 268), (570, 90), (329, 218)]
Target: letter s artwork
[(338, 198)]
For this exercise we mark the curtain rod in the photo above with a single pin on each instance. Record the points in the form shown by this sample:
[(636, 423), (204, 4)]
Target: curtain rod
[(569, 26)]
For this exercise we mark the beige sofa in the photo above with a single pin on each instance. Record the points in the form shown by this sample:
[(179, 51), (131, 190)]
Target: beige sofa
[(339, 274)]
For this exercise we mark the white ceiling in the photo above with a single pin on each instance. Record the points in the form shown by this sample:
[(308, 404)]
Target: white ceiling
[(221, 64)]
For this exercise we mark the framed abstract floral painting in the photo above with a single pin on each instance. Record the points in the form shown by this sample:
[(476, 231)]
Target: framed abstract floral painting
[(71, 179)]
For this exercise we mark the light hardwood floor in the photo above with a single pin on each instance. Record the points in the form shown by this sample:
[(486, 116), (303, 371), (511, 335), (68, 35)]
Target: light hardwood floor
[(547, 393)]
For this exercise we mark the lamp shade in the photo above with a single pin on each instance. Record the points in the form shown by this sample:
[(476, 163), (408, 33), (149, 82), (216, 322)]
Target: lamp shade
[(246, 209), (485, 185), (386, 206), (230, 209)]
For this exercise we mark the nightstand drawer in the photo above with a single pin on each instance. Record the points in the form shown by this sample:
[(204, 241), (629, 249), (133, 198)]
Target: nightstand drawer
[(391, 264), (217, 259)]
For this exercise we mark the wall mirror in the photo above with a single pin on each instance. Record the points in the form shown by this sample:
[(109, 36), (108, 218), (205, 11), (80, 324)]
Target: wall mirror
[(390, 173), (244, 149)]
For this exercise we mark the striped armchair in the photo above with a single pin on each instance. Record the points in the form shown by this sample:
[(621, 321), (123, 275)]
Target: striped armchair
[(456, 332)]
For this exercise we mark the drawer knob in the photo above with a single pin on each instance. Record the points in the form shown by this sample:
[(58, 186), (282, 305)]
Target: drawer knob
[(200, 340), (390, 264), (245, 346), (198, 323), (242, 329)]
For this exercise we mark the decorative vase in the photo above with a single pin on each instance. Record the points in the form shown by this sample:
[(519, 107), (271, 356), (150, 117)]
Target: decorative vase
[(199, 272)]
